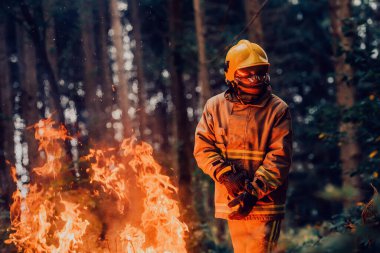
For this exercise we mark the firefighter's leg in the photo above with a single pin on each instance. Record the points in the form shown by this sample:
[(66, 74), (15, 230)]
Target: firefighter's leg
[(254, 236)]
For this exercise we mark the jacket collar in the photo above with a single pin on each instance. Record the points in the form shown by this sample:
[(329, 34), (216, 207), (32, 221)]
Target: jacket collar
[(230, 96)]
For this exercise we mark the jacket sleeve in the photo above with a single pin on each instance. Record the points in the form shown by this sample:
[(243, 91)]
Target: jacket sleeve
[(207, 155), (275, 168)]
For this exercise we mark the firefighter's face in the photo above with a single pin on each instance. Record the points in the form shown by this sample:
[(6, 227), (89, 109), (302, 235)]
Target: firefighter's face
[(252, 80)]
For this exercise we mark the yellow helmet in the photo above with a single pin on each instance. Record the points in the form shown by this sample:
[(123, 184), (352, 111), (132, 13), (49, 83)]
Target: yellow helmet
[(243, 54)]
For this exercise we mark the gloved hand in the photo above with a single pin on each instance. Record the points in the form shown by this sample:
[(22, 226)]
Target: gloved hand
[(246, 202), (233, 180)]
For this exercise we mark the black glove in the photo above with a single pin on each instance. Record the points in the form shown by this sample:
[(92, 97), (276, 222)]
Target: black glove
[(246, 202), (232, 179)]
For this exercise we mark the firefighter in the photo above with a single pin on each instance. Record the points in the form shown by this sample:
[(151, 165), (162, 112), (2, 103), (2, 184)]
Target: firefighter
[(243, 141)]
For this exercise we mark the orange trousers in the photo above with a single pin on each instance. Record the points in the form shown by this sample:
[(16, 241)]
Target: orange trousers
[(254, 236)]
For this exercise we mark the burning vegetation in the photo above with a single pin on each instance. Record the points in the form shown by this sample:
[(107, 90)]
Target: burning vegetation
[(125, 205)]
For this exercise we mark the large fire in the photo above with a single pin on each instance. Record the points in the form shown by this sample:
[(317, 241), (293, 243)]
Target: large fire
[(126, 205)]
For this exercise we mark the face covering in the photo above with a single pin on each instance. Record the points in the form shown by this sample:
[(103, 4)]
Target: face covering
[(251, 83), (252, 87)]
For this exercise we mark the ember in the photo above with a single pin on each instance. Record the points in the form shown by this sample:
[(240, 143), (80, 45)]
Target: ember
[(127, 206)]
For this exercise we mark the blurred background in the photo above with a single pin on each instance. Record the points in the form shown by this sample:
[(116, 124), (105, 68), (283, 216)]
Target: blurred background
[(110, 69)]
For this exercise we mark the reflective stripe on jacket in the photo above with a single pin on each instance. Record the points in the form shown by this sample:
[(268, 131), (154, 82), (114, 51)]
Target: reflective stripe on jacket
[(256, 137)]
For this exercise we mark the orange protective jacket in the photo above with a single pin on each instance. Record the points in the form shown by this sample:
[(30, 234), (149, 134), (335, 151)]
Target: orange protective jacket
[(256, 137)]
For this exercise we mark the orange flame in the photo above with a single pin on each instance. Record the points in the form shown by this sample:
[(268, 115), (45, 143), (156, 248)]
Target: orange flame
[(132, 239), (33, 229), (161, 212), (49, 138), (108, 172), (52, 218), (71, 234)]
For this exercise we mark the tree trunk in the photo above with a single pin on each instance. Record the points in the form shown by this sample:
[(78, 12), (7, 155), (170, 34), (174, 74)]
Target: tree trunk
[(45, 71), (6, 122), (161, 121), (105, 77), (51, 50), (202, 184), (255, 30), (29, 86), (140, 70), (94, 120), (203, 78), (122, 93), (345, 92), (50, 36), (182, 127)]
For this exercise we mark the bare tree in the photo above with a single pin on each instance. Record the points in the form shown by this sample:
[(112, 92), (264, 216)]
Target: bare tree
[(32, 17), (50, 35), (117, 38), (28, 77), (6, 122), (203, 78), (340, 10), (182, 132), (105, 77), (139, 65), (255, 30), (95, 123)]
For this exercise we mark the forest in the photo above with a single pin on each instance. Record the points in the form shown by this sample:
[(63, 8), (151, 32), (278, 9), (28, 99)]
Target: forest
[(100, 99)]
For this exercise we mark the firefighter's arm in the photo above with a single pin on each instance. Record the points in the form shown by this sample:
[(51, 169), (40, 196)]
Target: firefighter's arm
[(207, 155), (275, 167)]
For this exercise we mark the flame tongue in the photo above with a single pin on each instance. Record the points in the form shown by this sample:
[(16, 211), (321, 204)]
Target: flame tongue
[(36, 216), (71, 234), (109, 174), (127, 207), (161, 212), (49, 138)]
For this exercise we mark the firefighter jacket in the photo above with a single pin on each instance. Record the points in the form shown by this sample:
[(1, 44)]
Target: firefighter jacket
[(256, 137)]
